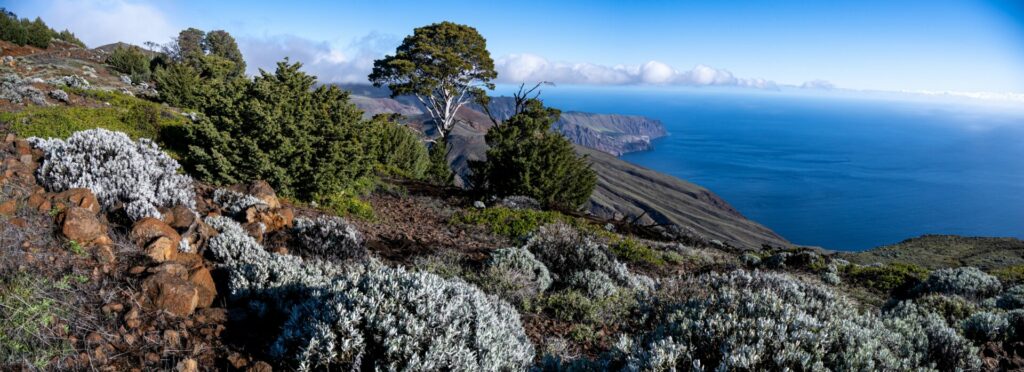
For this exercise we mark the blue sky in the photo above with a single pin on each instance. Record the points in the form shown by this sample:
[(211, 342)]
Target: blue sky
[(937, 45)]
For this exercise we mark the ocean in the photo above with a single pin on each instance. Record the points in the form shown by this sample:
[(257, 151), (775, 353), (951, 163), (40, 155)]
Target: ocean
[(838, 170)]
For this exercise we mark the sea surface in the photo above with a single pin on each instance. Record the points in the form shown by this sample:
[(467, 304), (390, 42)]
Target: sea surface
[(838, 170)]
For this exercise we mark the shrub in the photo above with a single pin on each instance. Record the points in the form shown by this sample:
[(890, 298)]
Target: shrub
[(594, 284), (1010, 274), (179, 85), (526, 157), (367, 316), (131, 61), (954, 309), (566, 251), (1015, 325), (750, 259), (985, 326), (893, 277), (517, 274), (399, 150), (116, 169), (575, 306), (964, 281), (330, 238), (508, 222), (344, 204), (632, 250), (234, 203), (1012, 298), (764, 321), (438, 171), (305, 142)]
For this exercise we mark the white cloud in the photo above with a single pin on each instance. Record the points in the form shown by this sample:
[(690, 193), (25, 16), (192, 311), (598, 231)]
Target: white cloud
[(350, 64), (517, 68), (100, 22)]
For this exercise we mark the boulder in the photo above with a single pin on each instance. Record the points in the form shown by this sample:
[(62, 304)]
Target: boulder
[(161, 249), (262, 190), (181, 217), (81, 225), (149, 229), (168, 292), (203, 281), (8, 207)]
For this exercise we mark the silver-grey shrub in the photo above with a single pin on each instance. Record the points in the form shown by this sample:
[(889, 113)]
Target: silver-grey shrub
[(985, 326), (765, 321), (1015, 325), (329, 237), (367, 316), (116, 169), (517, 273), (1012, 298), (969, 282), (233, 203), (566, 251), (594, 284)]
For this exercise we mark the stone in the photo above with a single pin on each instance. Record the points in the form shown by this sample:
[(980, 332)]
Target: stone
[(181, 217), (171, 294), (105, 254), (162, 249), (202, 279), (8, 207), (262, 190), (261, 366), (79, 197), (81, 225), (39, 202), (149, 229), (479, 205), (171, 268)]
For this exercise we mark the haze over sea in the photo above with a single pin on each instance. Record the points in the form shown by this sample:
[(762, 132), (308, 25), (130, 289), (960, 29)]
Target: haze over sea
[(838, 170)]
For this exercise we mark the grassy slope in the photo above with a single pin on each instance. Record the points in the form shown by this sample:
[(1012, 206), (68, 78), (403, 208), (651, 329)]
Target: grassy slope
[(941, 251)]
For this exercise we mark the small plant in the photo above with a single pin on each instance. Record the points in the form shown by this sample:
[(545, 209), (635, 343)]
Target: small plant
[(32, 318), (343, 204), (54, 211), (76, 248), (511, 223)]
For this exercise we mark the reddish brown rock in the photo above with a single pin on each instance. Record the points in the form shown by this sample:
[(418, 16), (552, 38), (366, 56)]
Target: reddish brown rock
[(39, 202), (105, 254), (261, 366), (81, 225), (161, 249), (181, 217), (187, 365), (263, 191), (170, 293), (8, 207), (149, 229), (77, 197), (202, 279)]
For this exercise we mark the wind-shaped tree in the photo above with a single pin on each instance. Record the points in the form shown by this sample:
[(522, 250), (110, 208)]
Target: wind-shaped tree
[(444, 65)]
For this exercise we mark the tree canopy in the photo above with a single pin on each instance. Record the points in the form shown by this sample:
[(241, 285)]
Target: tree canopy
[(444, 65)]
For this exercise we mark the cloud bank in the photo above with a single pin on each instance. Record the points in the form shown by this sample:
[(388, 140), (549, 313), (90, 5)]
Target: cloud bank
[(517, 68), (331, 64)]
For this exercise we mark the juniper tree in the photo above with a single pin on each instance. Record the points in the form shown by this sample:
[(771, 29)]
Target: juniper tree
[(527, 158)]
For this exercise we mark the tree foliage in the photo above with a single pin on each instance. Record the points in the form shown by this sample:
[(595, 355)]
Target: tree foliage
[(398, 149), (305, 142), (527, 158), (35, 32), (445, 65), (131, 61), (438, 171)]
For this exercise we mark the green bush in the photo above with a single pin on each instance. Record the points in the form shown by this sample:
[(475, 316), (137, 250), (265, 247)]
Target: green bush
[(307, 142), (131, 61), (508, 222), (632, 250), (135, 117), (527, 158), (438, 171), (574, 306), (892, 277), (398, 150)]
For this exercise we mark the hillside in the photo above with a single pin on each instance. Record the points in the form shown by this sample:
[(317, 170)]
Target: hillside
[(942, 251), (611, 133)]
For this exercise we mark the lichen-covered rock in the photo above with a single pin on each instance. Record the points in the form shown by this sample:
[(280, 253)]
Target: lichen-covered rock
[(116, 169)]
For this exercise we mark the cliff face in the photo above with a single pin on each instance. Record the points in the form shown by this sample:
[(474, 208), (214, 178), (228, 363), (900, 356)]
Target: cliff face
[(609, 133)]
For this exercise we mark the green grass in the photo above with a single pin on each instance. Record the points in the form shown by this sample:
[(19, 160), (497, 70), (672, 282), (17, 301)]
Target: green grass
[(885, 278), (30, 322), (135, 117), (511, 223), (632, 250)]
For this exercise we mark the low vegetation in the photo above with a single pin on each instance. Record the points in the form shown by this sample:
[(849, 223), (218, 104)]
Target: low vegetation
[(33, 322), (509, 222)]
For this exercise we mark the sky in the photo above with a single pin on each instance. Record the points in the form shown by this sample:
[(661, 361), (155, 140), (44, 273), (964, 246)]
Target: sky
[(892, 45)]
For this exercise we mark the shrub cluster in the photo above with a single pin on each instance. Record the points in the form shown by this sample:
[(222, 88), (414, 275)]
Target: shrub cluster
[(35, 33), (566, 251), (527, 158), (517, 274), (329, 238), (368, 316), (967, 281), (116, 169), (763, 321), (131, 61)]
